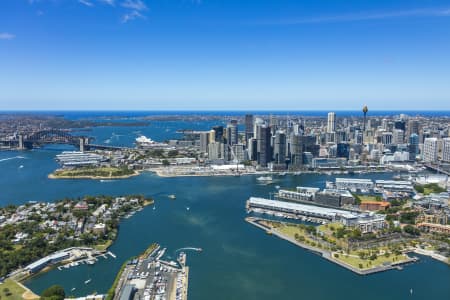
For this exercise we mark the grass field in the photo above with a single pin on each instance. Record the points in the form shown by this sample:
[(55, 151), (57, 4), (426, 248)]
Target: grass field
[(355, 261), (10, 290), (104, 247)]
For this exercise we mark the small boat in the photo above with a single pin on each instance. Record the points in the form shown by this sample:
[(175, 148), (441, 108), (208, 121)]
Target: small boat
[(411, 291), (264, 179), (172, 196), (277, 187), (87, 281), (73, 289), (154, 207), (187, 208), (21, 166)]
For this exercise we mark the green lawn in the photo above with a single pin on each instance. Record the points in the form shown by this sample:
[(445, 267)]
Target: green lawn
[(10, 290), (291, 231), (104, 246), (354, 260)]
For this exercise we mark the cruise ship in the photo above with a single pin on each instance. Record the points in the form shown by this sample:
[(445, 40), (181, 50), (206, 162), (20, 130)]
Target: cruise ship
[(145, 143)]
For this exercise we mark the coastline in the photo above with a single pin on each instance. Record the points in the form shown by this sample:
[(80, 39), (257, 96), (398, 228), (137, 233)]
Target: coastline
[(53, 176), (161, 173), (328, 255)]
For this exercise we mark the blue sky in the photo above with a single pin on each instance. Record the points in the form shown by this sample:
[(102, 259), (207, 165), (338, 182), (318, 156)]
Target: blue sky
[(229, 54)]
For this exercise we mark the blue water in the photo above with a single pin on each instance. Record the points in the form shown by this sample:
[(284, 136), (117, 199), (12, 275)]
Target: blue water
[(239, 261)]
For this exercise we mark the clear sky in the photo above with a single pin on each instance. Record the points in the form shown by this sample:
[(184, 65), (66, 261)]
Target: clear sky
[(224, 54)]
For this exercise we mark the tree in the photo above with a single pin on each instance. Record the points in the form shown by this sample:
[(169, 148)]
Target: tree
[(55, 292), (411, 230), (165, 162), (356, 233), (172, 153)]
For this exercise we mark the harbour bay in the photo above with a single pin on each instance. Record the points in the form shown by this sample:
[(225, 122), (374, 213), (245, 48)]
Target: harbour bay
[(239, 261)]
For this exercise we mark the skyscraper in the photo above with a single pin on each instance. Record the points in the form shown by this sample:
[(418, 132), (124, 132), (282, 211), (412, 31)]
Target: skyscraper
[(248, 127), (413, 146), (232, 133), (264, 149), (218, 133), (279, 150), (204, 140), (430, 150), (331, 124), (398, 136), (413, 127)]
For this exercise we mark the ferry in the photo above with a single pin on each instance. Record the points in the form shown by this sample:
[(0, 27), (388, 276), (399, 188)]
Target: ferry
[(264, 179)]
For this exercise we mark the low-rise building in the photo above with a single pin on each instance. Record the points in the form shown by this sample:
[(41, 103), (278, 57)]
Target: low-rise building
[(374, 205), (436, 228), (366, 222)]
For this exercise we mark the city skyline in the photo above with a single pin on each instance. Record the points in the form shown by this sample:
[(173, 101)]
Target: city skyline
[(207, 55)]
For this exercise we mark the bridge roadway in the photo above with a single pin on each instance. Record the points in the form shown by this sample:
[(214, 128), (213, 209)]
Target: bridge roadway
[(54, 136), (437, 169)]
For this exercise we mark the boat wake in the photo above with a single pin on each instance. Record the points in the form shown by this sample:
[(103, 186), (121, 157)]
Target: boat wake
[(189, 249), (10, 158)]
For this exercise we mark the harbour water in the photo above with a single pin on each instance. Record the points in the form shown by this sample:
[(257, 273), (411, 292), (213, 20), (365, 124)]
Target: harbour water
[(238, 261)]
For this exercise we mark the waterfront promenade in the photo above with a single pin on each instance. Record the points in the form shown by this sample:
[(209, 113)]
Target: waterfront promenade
[(328, 255)]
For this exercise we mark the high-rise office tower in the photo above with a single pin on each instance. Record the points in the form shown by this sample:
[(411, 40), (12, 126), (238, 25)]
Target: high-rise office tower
[(398, 136), (252, 149), (413, 127), (232, 133), (386, 138), (264, 149), (215, 150), (296, 150), (248, 127), (273, 123), (413, 146), (218, 133), (279, 149), (204, 140), (430, 150), (385, 124), (331, 124), (212, 136), (400, 124)]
